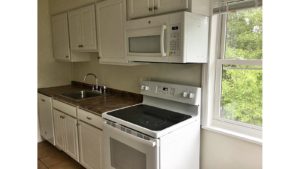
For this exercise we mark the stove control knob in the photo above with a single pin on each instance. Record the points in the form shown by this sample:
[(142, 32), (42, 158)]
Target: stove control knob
[(147, 88), (191, 95), (184, 94)]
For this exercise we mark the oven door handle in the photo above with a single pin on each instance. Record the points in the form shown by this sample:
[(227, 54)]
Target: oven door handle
[(129, 136)]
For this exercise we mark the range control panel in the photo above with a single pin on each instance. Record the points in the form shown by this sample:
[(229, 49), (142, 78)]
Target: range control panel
[(174, 92)]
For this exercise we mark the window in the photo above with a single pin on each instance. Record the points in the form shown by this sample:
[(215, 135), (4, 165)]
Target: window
[(237, 97)]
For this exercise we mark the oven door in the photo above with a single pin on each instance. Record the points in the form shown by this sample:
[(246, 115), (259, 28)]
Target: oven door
[(146, 42), (128, 151)]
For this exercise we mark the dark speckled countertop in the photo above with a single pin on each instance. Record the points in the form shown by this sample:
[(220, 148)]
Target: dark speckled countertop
[(97, 105)]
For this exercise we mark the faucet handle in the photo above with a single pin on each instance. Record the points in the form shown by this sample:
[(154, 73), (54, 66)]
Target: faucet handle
[(104, 88)]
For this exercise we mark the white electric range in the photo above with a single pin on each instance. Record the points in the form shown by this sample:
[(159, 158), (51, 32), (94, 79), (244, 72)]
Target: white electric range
[(163, 132)]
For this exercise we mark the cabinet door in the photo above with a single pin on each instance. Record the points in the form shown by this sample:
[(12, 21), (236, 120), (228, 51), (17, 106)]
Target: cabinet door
[(75, 29), (60, 37), (88, 24), (90, 146), (111, 17), (140, 8), (59, 126), (71, 135), (164, 6), (46, 117), (83, 29)]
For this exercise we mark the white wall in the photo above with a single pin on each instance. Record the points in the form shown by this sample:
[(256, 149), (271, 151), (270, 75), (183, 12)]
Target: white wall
[(129, 77), (224, 152), (50, 72)]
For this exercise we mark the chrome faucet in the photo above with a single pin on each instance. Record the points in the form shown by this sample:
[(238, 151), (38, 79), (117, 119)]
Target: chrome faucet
[(96, 80)]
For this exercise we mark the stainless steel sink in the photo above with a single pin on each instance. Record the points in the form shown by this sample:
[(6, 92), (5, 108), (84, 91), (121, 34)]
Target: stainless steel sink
[(82, 94)]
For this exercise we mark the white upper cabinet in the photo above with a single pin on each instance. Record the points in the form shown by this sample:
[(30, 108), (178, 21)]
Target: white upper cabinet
[(164, 6), (142, 8), (58, 6), (60, 37), (82, 28), (111, 18), (60, 41)]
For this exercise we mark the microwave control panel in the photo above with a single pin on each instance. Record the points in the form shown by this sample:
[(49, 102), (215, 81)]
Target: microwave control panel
[(174, 42)]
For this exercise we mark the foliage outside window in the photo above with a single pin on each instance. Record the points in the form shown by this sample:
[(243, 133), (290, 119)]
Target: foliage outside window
[(239, 70)]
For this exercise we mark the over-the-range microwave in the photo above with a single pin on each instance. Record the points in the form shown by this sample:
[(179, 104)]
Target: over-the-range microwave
[(180, 37)]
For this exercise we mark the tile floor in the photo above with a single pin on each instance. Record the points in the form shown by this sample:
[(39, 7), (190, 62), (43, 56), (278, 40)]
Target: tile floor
[(50, 157)]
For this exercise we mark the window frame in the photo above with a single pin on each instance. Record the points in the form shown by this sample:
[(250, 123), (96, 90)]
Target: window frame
[(213, 81)]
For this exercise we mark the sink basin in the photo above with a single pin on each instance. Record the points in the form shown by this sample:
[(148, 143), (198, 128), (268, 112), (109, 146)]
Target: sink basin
[(82, 94)]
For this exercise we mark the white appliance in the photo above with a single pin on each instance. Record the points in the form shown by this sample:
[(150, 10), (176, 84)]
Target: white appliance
[(163, 132), (180, 37)]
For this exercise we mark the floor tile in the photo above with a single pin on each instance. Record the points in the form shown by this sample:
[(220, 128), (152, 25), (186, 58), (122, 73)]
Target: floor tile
[(54, 157), (50, 157), (41, 165), (43, 149), (67, 165)]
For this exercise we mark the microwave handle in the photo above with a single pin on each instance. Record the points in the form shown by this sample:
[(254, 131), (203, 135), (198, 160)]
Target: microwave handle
[(129, 136), (162, 40)]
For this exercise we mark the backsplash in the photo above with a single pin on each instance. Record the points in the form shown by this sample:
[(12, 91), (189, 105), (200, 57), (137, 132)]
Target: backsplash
[(129, 77)]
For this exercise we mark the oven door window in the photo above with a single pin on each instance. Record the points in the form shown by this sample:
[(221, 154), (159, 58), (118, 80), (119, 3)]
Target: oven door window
[(126, 151), (145, 44), (124, 157)]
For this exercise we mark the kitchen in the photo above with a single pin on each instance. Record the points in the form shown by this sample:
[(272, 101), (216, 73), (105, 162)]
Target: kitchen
[(128, 78), (217, 149)]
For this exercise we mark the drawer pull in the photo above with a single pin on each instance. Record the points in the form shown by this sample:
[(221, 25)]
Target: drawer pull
[(89, 118), (43, 100)]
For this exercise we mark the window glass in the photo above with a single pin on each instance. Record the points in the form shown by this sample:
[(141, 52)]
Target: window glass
[(244, 34), (241, 96), (241, 81)]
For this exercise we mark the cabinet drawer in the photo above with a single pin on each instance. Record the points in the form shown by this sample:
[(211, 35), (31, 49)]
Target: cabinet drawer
[(68, 109), (90, 118), (44, 99)]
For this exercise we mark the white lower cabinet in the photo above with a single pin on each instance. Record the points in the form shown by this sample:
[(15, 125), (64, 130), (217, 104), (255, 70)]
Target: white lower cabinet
[(90, 145), (45, 117), (78, 133), (66, 133)]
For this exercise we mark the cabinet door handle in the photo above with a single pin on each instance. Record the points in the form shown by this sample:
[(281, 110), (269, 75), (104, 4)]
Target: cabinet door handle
[(155, 8), (80, 46), (43, 100), (62, 117), (150, 9), (67, 56), (89, 118)]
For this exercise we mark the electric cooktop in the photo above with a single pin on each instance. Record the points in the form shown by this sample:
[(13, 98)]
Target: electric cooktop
[(149, 117)]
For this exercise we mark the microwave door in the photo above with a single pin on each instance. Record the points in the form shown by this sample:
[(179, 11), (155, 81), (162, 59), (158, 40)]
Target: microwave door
[(148, 42)]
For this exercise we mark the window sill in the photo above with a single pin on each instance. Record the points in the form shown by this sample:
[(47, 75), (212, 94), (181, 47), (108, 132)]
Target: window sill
[(240, 136)]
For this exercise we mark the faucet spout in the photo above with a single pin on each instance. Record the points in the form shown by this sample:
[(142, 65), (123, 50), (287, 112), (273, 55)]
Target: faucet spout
[(96, 79)]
